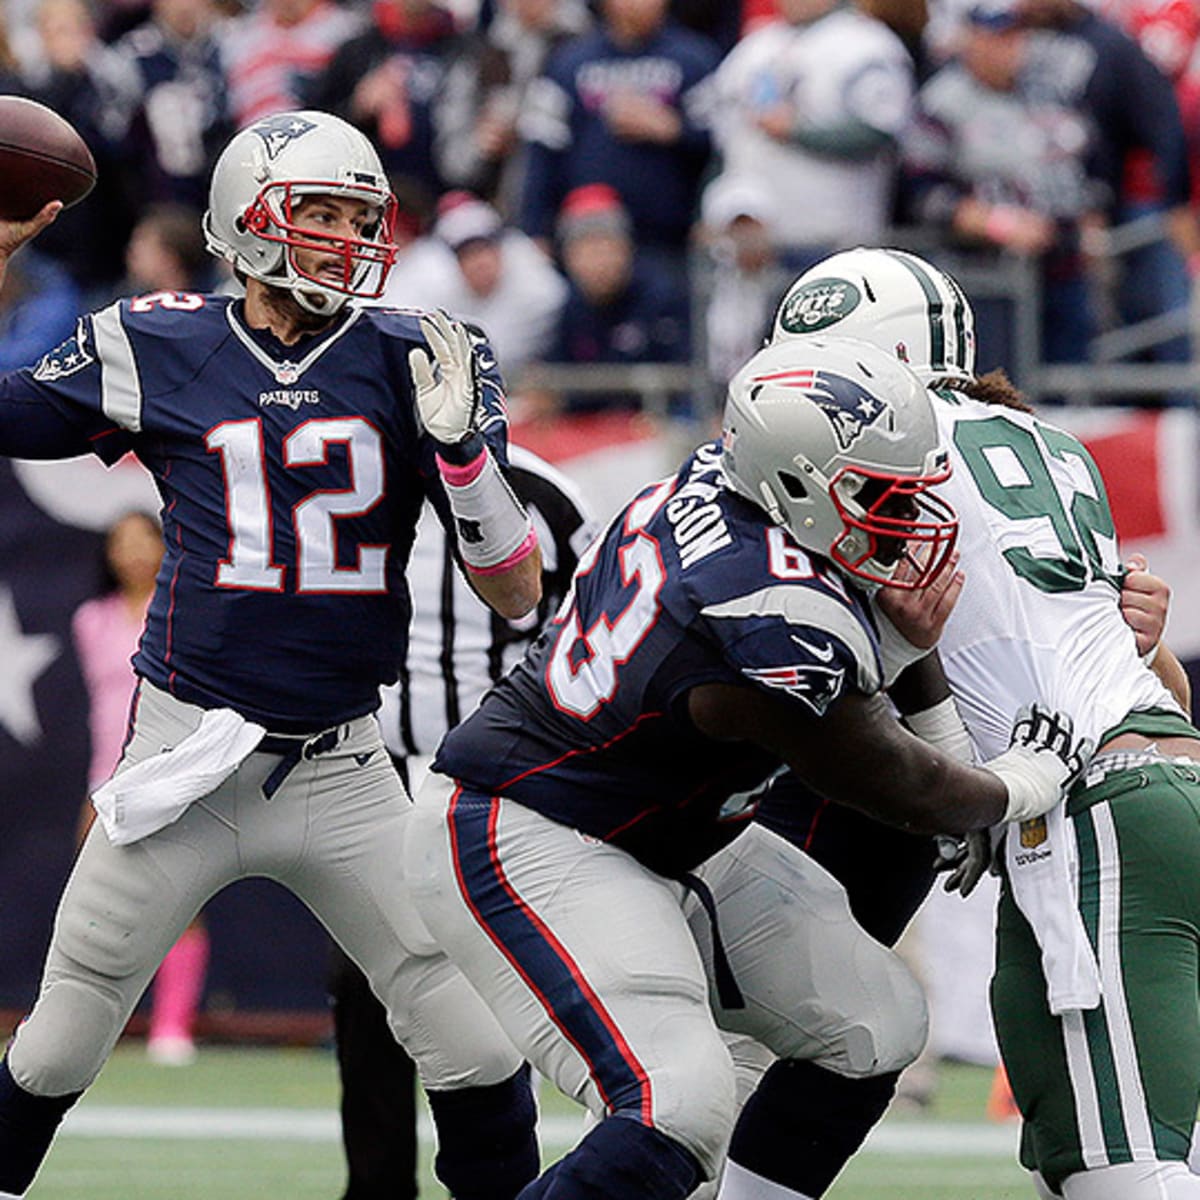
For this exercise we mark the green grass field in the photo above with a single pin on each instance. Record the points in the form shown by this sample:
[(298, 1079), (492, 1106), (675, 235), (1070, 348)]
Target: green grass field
[(261, 1124)]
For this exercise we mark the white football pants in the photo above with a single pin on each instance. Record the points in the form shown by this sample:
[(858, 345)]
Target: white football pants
[(331, 834), (602, 971)]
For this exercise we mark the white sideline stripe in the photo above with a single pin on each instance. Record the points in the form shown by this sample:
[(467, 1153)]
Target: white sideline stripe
[(934, 1139)]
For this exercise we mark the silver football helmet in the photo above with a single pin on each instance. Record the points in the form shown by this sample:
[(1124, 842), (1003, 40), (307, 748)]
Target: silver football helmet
[(892, 299), (257, 185), (837, 441)]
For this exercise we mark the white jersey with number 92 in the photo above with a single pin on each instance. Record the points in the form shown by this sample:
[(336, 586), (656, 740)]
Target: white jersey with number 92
[(1038, 618)]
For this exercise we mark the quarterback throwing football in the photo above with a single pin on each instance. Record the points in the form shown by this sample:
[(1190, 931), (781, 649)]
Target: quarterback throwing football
[(294, 438)]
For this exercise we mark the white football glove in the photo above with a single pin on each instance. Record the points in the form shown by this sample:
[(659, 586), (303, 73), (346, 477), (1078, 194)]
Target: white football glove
[(1042, 762), (448, 392)]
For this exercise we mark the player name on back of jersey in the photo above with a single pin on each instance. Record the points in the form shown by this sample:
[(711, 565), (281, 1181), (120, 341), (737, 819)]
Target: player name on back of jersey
[(697, 520)]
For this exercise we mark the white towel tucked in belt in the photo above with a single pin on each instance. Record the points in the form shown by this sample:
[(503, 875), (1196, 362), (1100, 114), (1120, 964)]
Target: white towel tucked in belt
[(1043, 871), (149, 795)]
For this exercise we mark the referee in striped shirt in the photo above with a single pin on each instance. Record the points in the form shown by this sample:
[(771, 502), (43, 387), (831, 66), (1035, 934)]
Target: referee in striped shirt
[(457, 649)]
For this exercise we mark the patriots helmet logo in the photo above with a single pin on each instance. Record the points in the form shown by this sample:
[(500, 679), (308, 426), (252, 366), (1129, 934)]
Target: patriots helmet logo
[(817, 686), (279, 131), (848, 405)]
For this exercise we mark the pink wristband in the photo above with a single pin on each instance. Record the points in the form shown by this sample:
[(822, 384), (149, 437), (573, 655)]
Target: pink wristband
[(460, 474), (523, 551)]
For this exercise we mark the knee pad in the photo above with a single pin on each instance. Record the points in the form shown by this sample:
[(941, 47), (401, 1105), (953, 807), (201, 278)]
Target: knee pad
[(487, 1140), (694, 1099), (67, 1038), (892, 1037), (107, 922)]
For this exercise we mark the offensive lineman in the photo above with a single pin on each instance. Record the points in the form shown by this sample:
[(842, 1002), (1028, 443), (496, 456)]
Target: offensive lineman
[(575, 850), (1098, 1026), (293, 438)]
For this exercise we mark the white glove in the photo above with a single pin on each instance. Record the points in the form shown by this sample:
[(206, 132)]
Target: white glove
[(448, 389), (966, 859), (1042, 762)]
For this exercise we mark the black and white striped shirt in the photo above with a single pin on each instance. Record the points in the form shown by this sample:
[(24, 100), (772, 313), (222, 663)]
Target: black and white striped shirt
[(458, 647)]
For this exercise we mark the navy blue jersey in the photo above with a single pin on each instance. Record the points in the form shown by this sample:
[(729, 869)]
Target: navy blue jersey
[(291, 478), (689, 585)]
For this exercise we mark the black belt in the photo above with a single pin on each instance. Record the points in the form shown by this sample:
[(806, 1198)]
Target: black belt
[(291, 749)]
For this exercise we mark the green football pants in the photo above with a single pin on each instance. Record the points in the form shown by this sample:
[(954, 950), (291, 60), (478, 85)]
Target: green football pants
[(1118, 1083)]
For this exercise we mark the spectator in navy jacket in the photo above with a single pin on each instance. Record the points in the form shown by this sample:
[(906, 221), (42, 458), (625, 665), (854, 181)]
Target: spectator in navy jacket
[(626, 105), (1140, 151), (182, 117), (620, 308)]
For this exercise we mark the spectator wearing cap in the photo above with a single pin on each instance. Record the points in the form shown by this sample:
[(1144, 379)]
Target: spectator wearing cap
[(813, 104), (494, 277), (739, 219), (475, 114), (620, 307), (628, 105), (1000, 162)]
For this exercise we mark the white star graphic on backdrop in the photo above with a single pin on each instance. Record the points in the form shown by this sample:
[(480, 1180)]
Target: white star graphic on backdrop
[(23, 657)]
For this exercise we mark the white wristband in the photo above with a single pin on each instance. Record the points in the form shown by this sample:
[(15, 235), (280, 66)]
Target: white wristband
[(1151, 654), (941, 726), (494, 530), (895, 650), (1034, 779)]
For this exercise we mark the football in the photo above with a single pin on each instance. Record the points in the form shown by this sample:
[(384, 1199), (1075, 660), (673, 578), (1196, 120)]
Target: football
[(42, 158)]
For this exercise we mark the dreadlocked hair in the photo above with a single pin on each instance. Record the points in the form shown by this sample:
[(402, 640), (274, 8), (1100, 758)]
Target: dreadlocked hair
[(993, 388)]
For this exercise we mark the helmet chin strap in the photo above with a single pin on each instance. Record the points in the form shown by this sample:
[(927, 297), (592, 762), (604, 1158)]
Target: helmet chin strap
[(320, 304)]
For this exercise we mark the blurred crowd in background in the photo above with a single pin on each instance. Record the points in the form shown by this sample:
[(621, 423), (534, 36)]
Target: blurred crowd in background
[(635, 181)]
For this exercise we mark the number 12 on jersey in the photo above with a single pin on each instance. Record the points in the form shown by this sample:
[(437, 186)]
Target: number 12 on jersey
[(249, 563)]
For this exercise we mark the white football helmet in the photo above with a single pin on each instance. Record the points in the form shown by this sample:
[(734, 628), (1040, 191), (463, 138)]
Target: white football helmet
[(259, 179), (837, 441), (892, 299)]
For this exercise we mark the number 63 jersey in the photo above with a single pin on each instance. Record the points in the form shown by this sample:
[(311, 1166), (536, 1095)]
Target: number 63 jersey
[(690, 584), (1038, 618), (291, 477)]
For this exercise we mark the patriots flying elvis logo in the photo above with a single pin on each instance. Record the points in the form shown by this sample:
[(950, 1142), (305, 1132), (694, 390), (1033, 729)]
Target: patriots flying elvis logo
[(277, 131), (73, 355), (848, 405), (817, 686)]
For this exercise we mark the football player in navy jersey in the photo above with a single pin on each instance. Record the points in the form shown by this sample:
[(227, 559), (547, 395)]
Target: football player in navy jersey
[(576, 851), (294, 437)]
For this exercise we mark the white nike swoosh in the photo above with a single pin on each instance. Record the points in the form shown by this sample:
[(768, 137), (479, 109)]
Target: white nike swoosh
[(821, 653)]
